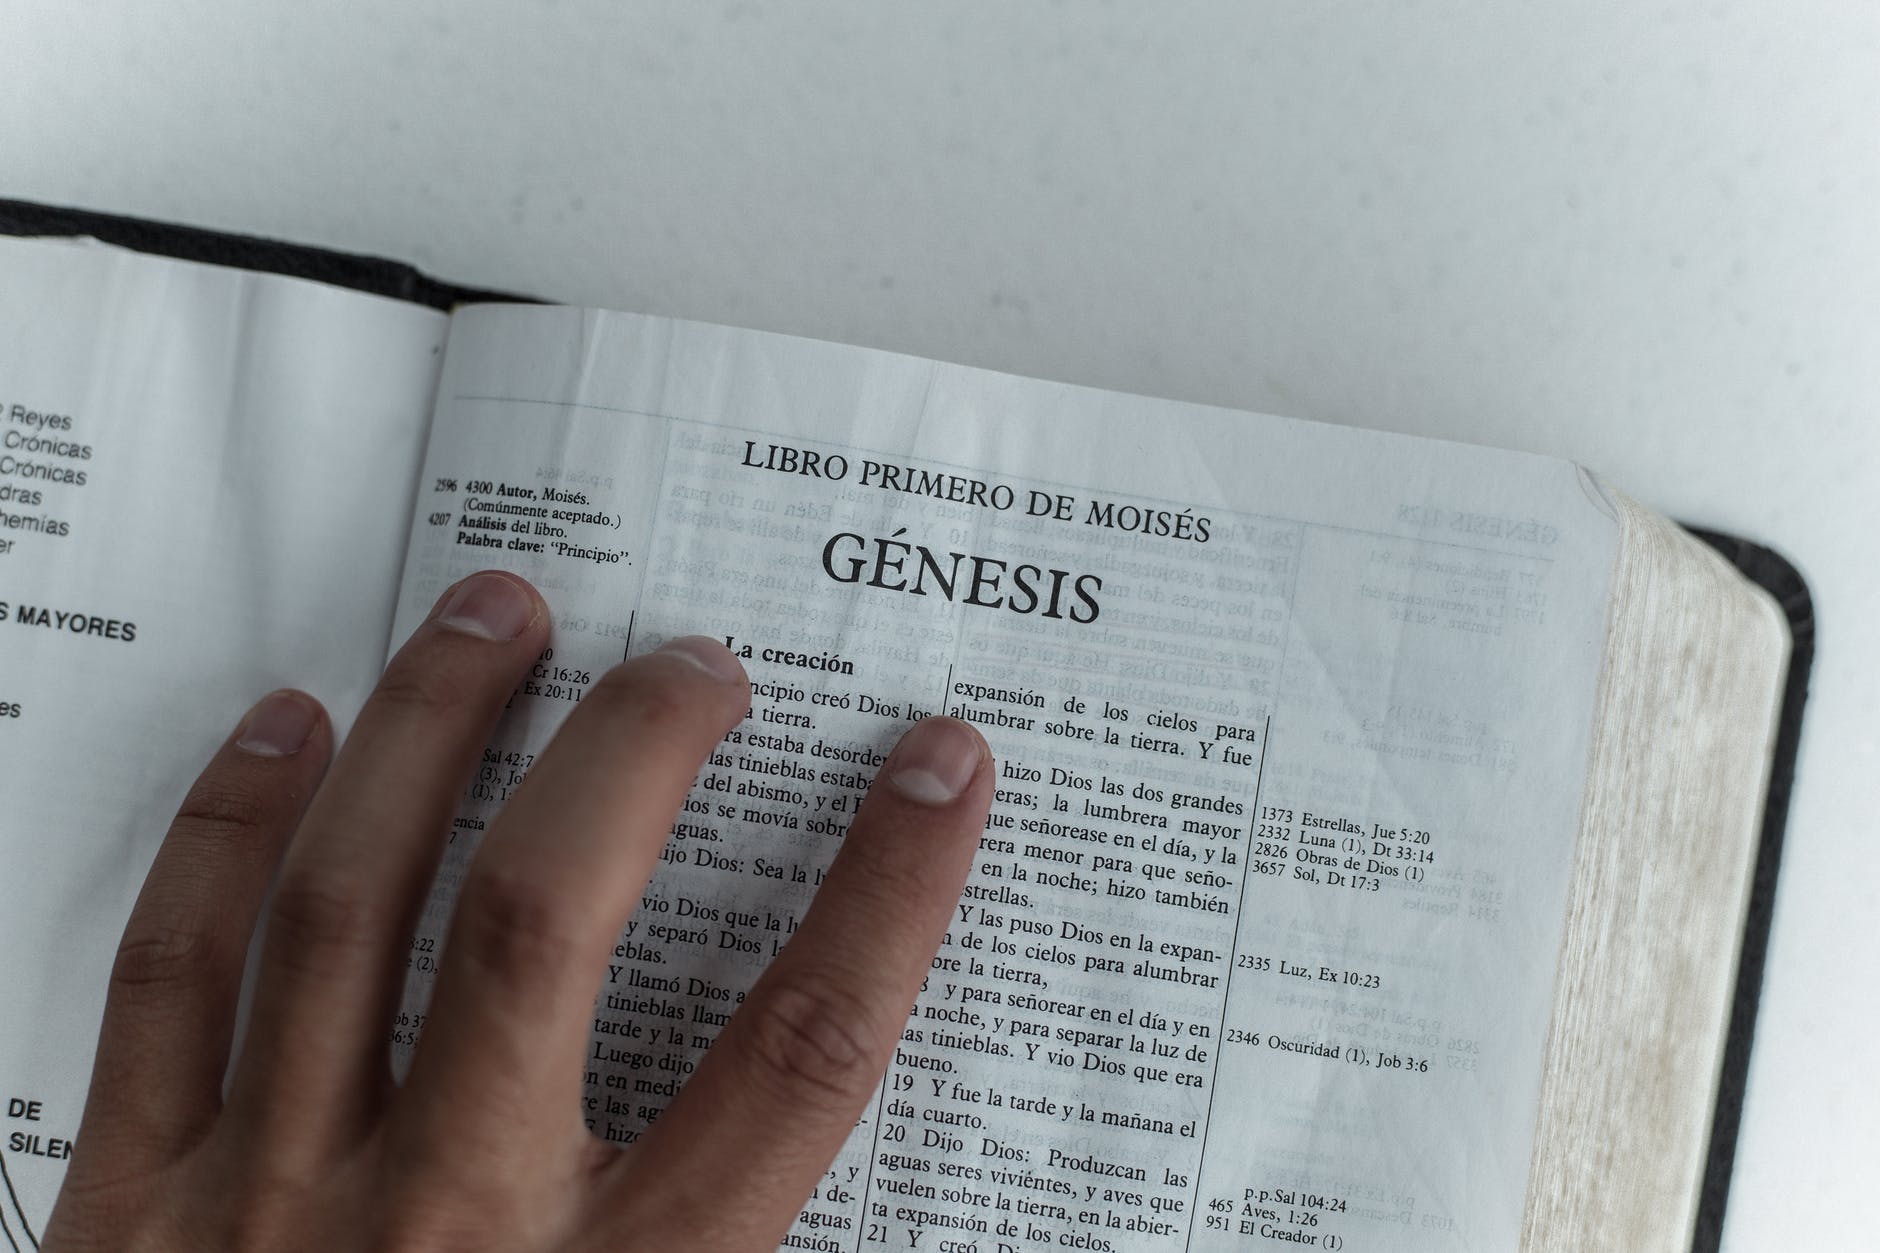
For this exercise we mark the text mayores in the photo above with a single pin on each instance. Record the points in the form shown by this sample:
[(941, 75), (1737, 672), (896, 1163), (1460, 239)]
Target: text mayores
[(69, 621), (972, 580)]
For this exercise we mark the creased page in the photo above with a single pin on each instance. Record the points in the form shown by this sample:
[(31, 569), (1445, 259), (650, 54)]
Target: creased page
[(205, 483), (1292, 726)]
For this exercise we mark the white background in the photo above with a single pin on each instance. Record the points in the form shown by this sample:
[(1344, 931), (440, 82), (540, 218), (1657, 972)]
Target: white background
[(1639, 235)]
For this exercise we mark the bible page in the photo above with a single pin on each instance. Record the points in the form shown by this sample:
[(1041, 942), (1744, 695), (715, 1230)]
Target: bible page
[(1291, 724), (206, 478)]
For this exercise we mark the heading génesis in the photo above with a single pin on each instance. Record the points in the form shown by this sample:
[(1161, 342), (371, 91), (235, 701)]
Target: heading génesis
[(987, 582)]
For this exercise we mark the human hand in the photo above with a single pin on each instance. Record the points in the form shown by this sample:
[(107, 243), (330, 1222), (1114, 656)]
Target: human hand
[(314, 1146)]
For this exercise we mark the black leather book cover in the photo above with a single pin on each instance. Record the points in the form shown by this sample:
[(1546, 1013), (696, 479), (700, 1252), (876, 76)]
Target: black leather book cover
[(1774, 574), (188, 243)]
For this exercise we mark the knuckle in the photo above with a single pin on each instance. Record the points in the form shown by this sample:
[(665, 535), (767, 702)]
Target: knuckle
[(159, 958), (317, 919), (888, 879), (220, 811), (644, 693), (881, 879), (512, 929), (420, 684), (809, 1034)]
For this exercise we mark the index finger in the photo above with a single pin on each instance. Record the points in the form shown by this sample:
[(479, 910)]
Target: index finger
[(784, 1083)]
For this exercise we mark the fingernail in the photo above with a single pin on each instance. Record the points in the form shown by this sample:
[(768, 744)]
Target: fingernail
[(279, 726), (490, 605), (708, 655), (935, 761)]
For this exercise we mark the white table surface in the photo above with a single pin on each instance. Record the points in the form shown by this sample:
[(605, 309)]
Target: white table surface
[(1642, 236)]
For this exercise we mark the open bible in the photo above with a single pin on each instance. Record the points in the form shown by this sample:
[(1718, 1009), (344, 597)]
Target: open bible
[(1376, 822)]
